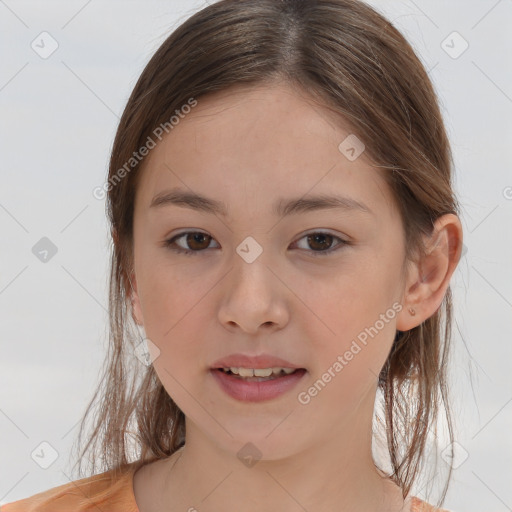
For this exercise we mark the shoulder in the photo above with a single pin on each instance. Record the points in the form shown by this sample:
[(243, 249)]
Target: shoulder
[(418, 505), (111, 491)]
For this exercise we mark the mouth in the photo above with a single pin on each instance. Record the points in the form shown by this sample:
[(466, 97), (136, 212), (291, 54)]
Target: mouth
[(259, 374), (243, 385)]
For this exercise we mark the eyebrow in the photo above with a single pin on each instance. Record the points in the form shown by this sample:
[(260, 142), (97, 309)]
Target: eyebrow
[(281, 208)]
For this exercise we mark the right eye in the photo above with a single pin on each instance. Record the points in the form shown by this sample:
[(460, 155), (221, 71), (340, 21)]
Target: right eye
[(195, 238)]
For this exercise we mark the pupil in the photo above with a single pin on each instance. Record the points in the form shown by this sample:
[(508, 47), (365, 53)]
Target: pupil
[(319, 236), (196, 237)]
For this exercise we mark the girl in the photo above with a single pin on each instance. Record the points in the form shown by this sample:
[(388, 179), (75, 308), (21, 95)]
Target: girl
[(284, 233)]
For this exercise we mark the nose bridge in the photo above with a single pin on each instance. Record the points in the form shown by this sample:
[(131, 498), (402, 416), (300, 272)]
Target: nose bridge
[(250, 266), (253, 295)]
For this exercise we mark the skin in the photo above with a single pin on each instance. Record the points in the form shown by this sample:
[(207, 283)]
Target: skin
[(247, 147)]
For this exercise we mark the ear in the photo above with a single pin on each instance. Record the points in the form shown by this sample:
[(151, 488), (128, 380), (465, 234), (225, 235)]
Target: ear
[(136, 308), (429, 277)]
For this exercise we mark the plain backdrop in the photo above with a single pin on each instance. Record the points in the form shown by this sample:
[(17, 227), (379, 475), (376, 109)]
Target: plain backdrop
[(58, 119)]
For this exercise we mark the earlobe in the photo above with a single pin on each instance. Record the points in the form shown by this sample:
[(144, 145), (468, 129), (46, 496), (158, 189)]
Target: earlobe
[(430, 277)]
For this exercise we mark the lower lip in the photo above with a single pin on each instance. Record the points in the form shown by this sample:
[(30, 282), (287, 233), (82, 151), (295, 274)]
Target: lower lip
[(256, 391)]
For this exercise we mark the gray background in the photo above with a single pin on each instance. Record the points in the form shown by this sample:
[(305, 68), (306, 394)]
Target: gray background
[(58, 119)]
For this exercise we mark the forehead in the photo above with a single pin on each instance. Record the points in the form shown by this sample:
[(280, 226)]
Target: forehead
[(263, 141)]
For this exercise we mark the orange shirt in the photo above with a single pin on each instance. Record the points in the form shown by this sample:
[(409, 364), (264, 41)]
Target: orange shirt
[(100, 492)]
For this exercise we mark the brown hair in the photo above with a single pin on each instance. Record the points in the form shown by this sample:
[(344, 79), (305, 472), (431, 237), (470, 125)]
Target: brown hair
[(350, 58)]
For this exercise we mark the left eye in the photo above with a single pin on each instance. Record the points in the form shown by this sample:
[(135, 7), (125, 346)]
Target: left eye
[(322, 241)]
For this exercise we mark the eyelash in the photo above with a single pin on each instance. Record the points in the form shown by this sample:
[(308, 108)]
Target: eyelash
[(170, 243)]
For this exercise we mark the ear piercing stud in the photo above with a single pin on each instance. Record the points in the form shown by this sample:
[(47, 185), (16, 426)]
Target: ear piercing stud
[(412, 312)]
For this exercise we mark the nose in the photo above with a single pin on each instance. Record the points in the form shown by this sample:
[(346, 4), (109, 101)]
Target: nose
[(253, 296)]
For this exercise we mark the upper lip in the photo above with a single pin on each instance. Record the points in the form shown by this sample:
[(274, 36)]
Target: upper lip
[(247, 361)]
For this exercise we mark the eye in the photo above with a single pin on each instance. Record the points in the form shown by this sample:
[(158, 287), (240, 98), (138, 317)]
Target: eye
[(198, 241), (322, 243), (192, 237)]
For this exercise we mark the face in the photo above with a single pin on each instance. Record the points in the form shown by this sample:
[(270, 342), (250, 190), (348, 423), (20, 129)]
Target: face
[(317, 287)]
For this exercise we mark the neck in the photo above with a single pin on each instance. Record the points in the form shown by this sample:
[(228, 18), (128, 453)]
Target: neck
[(336, 473)]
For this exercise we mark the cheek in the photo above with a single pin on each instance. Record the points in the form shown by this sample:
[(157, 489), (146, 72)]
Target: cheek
[(172, 293), (353, 316), (176, 317)]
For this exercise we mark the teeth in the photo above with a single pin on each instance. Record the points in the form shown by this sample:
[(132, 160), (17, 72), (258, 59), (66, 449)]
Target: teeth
[(259, 372)]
